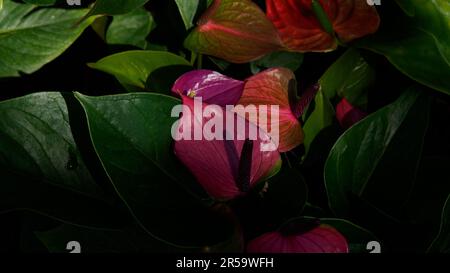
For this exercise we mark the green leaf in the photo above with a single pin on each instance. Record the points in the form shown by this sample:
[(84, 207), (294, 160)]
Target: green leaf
[(99, 26), (424, 207), (321, 117), (132, 136), (31, 37), (40, 164), (432, 17), (221, 64), (91, 240), (35, 129), (40, 2), (132, 68), (418, 46), (350, 77), (442, 242), (291, 60), (162, 79), (374, 153), (131, 28), (116, 7), (126, 240), (188, 9)]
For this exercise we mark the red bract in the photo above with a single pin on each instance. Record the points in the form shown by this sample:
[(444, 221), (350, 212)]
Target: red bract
[(300, 29), (271, 87), (322, 239), (347, 114), (225, 168), (235, 30)]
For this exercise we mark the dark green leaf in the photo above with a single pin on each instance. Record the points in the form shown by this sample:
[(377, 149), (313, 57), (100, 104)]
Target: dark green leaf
[(116, 7), (132, 136), (432, 17), (350, 77), (442, 243), (291, 60), (188, 9), (221, 64), (424, 207), (37, 141), (40, 164), (132, 68), (31, 37), (101, 240), (162, 79), (131, 28), (99, 26), (374, 159), (321, 117), (418, 45), (40, 2)]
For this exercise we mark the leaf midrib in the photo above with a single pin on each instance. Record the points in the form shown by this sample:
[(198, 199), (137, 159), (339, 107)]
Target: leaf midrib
[(388, 142)]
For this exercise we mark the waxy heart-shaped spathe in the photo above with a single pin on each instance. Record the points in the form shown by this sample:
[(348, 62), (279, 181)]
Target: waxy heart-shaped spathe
[(301, 30), (235, 30)]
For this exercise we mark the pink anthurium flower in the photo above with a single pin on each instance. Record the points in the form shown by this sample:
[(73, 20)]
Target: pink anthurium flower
[(268, 88), (321, 239), (303, 24), (272, 87), (235, 30), (347, 114), (225, 161), (211, 86)]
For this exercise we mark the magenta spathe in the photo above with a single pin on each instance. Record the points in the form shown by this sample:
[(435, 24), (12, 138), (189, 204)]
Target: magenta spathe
[(321, 239), (229, 166)]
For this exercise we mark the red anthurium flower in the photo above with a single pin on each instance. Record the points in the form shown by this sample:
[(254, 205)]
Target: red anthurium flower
[(225, 161), (301, 29), (235, 30), (347, 114), (272, 87), (211, 86), (322, 239)]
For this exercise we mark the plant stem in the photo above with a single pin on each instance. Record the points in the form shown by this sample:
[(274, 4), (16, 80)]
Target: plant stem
[(200, 61), (193, 57)]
